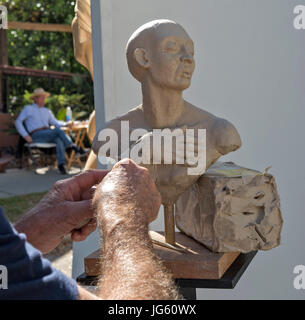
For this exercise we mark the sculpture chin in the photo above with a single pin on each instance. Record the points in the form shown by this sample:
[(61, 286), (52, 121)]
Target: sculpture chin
[(184, 84)]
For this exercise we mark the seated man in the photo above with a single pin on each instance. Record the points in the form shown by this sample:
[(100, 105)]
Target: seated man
[(125, 202), (33, 124)]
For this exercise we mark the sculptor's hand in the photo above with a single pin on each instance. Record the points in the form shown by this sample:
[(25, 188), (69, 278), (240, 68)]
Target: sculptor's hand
[(126, 197), (65, 209)]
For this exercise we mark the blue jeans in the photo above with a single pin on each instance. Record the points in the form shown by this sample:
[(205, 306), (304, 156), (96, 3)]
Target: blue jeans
[(54, 136)]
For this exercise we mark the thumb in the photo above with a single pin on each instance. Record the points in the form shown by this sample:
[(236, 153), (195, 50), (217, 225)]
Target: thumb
[(79, 213)]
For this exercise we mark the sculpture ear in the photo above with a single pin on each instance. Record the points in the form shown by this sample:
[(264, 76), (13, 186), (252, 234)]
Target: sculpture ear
[(140, 56)]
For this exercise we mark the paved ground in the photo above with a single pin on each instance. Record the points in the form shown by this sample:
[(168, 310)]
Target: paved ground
[(23, 181)]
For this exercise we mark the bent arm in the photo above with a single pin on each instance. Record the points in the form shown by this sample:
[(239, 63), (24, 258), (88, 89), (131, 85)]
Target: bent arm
[(19, 123), (126, 202), (130, 268), (54, 122), (30, 276)]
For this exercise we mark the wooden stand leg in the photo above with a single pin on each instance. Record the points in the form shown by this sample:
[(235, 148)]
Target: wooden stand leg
[(169, 221), (188, 293)]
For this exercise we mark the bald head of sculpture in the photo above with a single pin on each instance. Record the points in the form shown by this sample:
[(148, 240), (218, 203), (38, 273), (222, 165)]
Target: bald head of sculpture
[(161, 52)]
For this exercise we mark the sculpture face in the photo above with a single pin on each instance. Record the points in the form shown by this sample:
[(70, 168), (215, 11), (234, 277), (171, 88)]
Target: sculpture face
[(171, 57)]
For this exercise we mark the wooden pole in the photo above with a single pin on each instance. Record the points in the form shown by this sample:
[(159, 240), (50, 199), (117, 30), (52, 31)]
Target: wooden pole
[(169, 221), (3, 61), (3, 47), (1, 94), (39, 26)]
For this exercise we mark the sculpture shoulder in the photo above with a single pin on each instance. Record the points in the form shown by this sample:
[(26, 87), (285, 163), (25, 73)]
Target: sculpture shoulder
[(195, 115), (134, 117), (222, 132), (227, 138)]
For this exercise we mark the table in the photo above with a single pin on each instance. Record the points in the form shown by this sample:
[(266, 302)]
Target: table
[(80, 131), (188, 286)]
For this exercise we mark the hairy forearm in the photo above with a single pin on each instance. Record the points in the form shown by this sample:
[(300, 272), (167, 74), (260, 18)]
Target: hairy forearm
[(32, 225), (130, 269)]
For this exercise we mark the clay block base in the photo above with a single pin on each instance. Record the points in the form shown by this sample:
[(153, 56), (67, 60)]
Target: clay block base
[(197, 263), (232, 208)]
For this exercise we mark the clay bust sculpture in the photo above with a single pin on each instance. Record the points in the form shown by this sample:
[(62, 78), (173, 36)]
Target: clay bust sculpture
[(160, 55)]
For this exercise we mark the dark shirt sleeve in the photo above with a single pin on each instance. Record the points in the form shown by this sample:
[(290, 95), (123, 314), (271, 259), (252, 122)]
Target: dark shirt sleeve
[(30, 276)]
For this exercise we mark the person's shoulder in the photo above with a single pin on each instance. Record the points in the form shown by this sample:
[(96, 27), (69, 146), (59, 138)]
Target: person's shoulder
[(25, 111), (28, 106), (227, 136), (46, 109)]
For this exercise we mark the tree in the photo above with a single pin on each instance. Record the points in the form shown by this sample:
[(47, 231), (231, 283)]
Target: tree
[(38, 49), (44, 50)]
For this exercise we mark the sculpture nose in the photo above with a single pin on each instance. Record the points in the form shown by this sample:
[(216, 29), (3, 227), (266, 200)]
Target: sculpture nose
[(187, 57)]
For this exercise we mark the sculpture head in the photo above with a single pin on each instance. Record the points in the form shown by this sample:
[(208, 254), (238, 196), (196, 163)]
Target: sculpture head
[(162, 52)]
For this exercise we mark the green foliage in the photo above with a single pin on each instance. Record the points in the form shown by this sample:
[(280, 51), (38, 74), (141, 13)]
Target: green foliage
[(57, 103), (45, 11), (39, 49), (15, 207), (46, 51)]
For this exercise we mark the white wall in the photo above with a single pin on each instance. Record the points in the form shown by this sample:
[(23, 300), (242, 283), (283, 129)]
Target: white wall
[(251, 71)]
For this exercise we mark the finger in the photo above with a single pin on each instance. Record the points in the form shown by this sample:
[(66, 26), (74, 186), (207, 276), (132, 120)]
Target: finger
[(80, 184), (77, 212), (89, 178), (89, 193), (82, 233)]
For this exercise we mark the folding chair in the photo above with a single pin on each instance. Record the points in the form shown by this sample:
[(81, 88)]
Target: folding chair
[(30, 146), (38, 145)]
